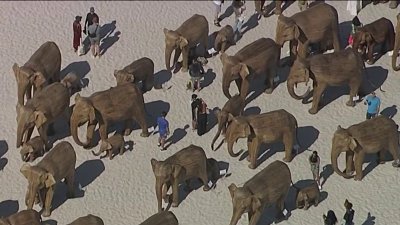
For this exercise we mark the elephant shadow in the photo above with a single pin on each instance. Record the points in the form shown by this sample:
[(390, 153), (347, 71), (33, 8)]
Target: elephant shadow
[(155, 108), (257, 87), (269, 9), (251, 23), (344, 32), (209, 77), (370, 220), (326, 172), (212, 119), (372, 160), (107, 29), (161, 77), (50, 222), (109, 41), (390, 111), (3, 151), (374, 77), (8, 207), (59, 130), (177, 135), (81, 69), (307, 136), (254, 110)]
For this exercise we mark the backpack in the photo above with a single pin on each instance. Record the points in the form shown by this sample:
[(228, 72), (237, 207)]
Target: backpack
[(94, 34)]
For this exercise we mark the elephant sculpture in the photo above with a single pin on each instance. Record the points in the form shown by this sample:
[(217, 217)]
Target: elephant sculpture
[(224, 39), (359, 140), (270, 185), (32, 149), (124, 102), (396, 45), (161, 218), (190, 162), (113, 145), (88, 220), (42, 67), (72, 82), (28, 216), (56, 165), (302, 29), (278, 125), (307, 196), (380, 31), (192, 32), (344, 67), (41, 111), (141, 70), (233, 106), (259, 58)]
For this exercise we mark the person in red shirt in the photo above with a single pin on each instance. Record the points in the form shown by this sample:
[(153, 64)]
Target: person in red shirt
[(77, 28)]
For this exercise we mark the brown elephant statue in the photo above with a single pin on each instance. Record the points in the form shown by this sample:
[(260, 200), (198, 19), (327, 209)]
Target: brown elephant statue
[(344, 67), (192, 32), (28, 216), (396, 48), (113, 145), (233, 106), (359, 140), (307, 196), (141, 70), (124, 102), (32, 149), (224, 39), (190, 162), (381, 32), (41, 111), (259, 58), (56, 165), (42, 67), (73, 82), (302, 29), (88, 220), (270, 185), (270, 127), (161, 218)]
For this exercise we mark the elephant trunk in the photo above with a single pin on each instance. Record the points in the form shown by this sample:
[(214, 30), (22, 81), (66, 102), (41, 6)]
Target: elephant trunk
[(168, 53), (30, 197), (159, 186), (334, 156), (225, 88), (89, 133), (21, 92), (230, 149), (216, 136), (395, 55), (235, 217), (291, 85), (20, 133)]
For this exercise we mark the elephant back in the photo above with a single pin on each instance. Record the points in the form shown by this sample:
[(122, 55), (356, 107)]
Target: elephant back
[(195, 20), (46, 59), (57, 103), (275, 121), (190, 157), (161, 218), (24, 217), (374, 129), (342, 60), (88, 220), (140, 68)]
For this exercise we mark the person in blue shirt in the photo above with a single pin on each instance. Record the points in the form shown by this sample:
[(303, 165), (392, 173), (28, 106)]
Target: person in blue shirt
[(163, 130), (374, 104)]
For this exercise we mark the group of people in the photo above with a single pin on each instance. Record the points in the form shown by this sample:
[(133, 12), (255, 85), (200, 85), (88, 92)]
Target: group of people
[(331, 219)]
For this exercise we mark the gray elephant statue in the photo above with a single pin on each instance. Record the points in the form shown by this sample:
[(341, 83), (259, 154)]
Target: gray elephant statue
[(224, 39), (161, 218), (141, 70), (88, 220), (259, 58), (28, 216), (41, 111), (43, 67), (32, 149), (359, 140), (188, 163), (192, 32), (113, 145), (56, 165), (124, 102), (270, 185), (307, 196), (270, 127)]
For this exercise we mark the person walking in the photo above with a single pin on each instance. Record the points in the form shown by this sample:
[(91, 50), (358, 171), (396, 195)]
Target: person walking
[(194, 105), (89, 19), (314, 161), (77, 29), (330, 218), (163, 130), (94, 38), (374, 104), (239, 8), (217, 6), (196, 71), (349, 215)]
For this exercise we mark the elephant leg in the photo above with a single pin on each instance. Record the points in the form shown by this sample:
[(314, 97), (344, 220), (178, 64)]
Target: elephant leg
[(239, 84), (253, 146), (28, 134), (127, 125), (28, 92), (358, 161), (354, 87), (178, 52), (303, 49), (349, 162), (381, 157), (185, 56), (336, 40), (288, 141), (175, 193), (110, 154), (43, 134), (255, 217), (269, 81), (370, 60), (103, 131), (280, 205), (47, 204), (70, 179), (121, 150), (141, 120), (204, 179), (165, 189), (317, 97)]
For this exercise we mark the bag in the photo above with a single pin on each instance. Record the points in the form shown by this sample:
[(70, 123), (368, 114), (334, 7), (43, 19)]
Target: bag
[(203, 107), (94, 34)]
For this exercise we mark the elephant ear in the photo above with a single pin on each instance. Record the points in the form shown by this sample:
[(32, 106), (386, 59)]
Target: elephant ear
[(182, 42), (154, 163), (40, 118), (247, 129), (232, 188), (339, 127), (353, 144), (368, 37), (92, 113), (25, 170), (38, 79), (241, 69), (255, 204), (296, 31), (15, 68), (50, 181)]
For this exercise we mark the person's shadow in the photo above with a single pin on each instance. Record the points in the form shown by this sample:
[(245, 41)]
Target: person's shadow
[(390, 111), (178, 134), (108, 41), (370, 220)]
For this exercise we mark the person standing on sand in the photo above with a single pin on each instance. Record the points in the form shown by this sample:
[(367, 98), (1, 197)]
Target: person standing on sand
[(89, 19), (163, 130), (195, 71), (330, 218), (374, 104), (349, 215), (239, 8), (77, 28), (314, 161), (194, 105), (217, 5), (94, 38)]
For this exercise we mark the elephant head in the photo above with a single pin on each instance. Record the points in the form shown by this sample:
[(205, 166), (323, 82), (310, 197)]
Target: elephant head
[(26, 77), (396, 46), (222, 117), (28, 118), (123, 77), (286, 30), (243, 200), (4, 221), (173, 41), (342, 142), (83, 112), (361, 40), (238, 128), (299, 72), (104, 146), (38, 178), (165, 173), (27, 153), (233, 69)]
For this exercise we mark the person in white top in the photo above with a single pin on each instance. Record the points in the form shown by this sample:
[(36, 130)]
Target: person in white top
[(218, 5)]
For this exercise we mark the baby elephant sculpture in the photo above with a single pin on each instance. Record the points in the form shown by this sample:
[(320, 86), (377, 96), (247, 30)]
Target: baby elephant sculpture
[(270, 185), (307, 196), (224, 39), (113, 145), (359, 140), (141, 70), (88, 220), (190, 162), (161, 218), (23, 217), (32, 149), (56, 165), (73, 82)]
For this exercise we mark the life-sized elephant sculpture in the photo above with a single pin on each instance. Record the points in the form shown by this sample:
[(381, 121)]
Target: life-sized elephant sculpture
[(42, 67), (161, 218), (88, 220), (224, 39), (380, 31), (28, 216), (56, 165), (259, 58), (233, 106), (124, 102), (344, 67), (72, 82), (302, 29), (141, 70), (113, 145), (32, 149), (396, 48), (359, 139), (190, 162), (41, 111), (278, 125), (192, 32), (270, 185), (307, 196)]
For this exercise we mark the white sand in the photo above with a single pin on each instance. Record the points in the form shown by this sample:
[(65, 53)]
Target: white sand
[(121, 191)]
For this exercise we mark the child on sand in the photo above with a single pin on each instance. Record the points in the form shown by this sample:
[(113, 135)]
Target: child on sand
[(77, 28)]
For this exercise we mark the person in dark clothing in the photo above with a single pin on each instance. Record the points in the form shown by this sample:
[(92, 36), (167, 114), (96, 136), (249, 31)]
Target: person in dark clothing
[(349, 215), (195, 71), (77, 28), (89, 19), (195, 104), (330, 218), (202, 118)]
